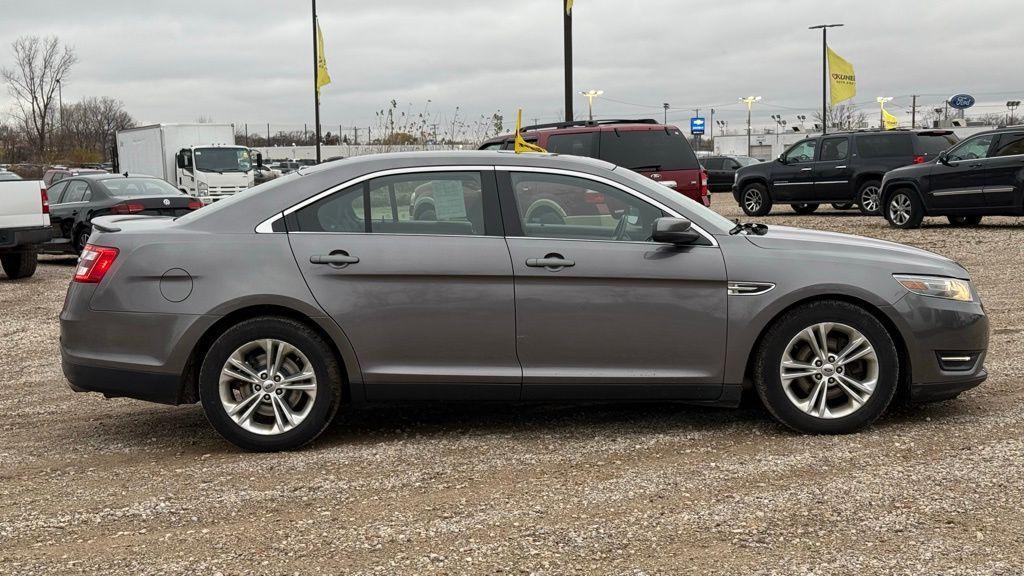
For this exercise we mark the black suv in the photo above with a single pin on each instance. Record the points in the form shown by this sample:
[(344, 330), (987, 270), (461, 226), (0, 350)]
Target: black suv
[(981, 176), (843, 168)]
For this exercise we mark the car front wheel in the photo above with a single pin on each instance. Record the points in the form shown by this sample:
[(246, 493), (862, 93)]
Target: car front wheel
[(755, 200), (904, 210), (869, 197), (827, 367), (269, 384)]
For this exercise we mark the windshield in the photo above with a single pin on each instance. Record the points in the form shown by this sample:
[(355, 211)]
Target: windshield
[(648, 150), (132, 186), (705, 216), (222, 159)]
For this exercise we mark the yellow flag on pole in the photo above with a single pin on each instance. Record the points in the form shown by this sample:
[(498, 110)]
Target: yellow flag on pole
[(891, 122), (520, 144), (568, 7), (842, 80), (323, 77)]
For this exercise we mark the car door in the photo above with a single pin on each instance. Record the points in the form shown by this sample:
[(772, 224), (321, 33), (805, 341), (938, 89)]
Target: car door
[(832, 171), (959, 180), (414, 268), (55, 194), (64, 214), (602, 311), (1004, 172), (720, 173), (793, 173)]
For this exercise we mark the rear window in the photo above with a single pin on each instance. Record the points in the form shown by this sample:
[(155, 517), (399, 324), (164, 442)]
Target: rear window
[(933, 144), (578, 144), (139, 187), (648, 150), (884, 145)]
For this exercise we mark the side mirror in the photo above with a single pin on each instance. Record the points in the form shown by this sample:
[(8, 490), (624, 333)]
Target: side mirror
[(678, 231), (781, 159), (184, 158), (259, 160), (944, 157)]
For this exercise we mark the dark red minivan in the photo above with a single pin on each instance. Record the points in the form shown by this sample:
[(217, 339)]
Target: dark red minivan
[(655, 150)]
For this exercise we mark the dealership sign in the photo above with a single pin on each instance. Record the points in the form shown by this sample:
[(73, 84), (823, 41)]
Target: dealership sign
[(961, 101), (696, 125)]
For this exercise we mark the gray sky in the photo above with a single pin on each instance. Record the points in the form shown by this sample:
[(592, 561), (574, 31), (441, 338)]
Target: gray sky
[(249, 61)]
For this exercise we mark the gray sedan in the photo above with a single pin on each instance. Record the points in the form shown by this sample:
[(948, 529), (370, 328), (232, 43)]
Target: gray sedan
[(490, 276)]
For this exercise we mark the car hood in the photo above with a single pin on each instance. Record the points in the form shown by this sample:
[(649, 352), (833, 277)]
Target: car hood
[(911, 171), (833, 246)]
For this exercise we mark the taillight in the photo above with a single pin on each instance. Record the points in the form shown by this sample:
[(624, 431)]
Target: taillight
[(704, 182), (45, 199), (195, 205), (918, 160), (126, 208), (94, 263)]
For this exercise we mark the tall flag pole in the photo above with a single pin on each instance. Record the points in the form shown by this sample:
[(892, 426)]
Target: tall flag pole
[(316, 79), (824, 72), (567, 41)]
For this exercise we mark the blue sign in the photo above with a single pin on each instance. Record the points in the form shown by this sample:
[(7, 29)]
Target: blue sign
[(961, 101), (696, 125)]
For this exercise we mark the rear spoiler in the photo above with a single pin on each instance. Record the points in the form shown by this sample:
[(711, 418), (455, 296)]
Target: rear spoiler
[(108, 223)]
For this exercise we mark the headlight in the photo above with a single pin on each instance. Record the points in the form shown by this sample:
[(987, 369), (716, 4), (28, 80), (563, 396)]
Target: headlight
[(203, 187), (937, 286)]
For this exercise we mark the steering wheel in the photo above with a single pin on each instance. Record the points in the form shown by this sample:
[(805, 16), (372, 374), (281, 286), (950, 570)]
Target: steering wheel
[(622, 228)]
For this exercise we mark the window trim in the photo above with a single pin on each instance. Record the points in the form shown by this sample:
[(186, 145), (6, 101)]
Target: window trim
[(998, 142), (785, 153), (963, 144)]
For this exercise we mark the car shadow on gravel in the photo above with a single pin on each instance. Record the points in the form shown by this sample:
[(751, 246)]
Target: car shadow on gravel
[(58, 259)]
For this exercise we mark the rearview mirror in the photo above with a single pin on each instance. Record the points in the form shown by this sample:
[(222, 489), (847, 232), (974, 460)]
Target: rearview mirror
[(678, 231)]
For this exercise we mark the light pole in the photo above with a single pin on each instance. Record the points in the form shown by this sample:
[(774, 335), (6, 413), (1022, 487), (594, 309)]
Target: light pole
[(722, 125), (591, 94), (749, 101), (824, 72), (802, 118), (665, 107), (1011, 106), (881, 110)]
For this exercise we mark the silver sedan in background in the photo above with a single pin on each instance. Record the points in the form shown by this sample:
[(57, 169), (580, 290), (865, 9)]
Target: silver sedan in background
[(491, 276)]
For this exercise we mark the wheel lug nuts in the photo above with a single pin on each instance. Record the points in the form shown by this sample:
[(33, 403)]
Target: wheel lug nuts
[(839, 370), (831, 358), (280, 391), (257, 387), (266, 396), (831, 380), (817, 376), (817, 362), (263, 375), (277, 378)]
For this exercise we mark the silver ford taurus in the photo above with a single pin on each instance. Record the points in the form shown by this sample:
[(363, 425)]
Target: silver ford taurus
[(492, 276)]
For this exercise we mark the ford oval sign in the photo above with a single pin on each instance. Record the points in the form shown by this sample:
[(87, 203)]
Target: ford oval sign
[(961, 101)]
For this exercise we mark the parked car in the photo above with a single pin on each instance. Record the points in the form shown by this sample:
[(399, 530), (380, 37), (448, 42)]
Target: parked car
[(722, 170), (8, 176), (76, 201), (262, 173), (839, 168), (981, 176), (24, 224), (56, 174), (655, 150), (274, 307)]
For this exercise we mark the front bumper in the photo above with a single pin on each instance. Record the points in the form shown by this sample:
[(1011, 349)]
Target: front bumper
[(934, 328)]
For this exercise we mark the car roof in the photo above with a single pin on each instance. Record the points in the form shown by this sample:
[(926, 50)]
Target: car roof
[(99, 176), (582, 127), (462, 157)]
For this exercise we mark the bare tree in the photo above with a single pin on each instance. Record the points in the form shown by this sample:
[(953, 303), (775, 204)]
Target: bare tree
[(843, 117), (40, 65), (88, 128)]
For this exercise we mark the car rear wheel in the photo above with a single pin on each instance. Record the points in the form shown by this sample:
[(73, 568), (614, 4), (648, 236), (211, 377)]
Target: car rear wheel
[(804, 208), (904, 210), (19, 264), (82, 238), (755, 200), (827, 367), (269, 384), (869, 197), (842, 206), (964, 220)]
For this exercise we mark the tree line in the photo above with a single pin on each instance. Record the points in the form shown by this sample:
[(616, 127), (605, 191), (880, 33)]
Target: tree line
[(42, 129)]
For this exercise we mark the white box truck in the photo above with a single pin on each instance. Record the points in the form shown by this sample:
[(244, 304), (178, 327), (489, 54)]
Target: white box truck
[(199, 159)]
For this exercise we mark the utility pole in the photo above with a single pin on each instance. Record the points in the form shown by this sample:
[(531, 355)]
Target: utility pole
[(913, 111), (749, 101), (246, 134), (268, 135), (824, 73), (567, 49), (665, 107), (712, 124), (696, 137)]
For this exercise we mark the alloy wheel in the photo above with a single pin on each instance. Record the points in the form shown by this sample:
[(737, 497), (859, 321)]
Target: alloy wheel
[(829, 370), (900, 209), (267, 386), (869, 198), (752, 200)]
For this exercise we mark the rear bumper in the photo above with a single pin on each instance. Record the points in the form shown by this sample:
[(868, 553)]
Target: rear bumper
[(18, 239), (116, 383)]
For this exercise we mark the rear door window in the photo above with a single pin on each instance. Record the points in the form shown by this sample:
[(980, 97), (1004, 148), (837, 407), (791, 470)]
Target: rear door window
[(884, 145), (55, 192), (833, 149), (578, 144), (75, 192), (714, 163), (659, 149), (1011, 144)]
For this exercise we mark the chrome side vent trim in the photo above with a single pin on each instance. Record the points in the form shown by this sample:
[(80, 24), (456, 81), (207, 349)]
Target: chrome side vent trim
[(749, 288)]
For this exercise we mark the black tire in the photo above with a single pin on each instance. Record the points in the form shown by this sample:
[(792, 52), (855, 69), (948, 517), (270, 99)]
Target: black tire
[(81, 238), (768, 381), (842, 205), (804, 208), (755, 200), (964, 220), (869, 198), (903, 209), (325, 367), (20, 264)]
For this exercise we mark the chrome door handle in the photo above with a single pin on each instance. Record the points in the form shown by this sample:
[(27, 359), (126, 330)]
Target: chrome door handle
[(806, 169), (333, 259), (550, 261), (840, 167)]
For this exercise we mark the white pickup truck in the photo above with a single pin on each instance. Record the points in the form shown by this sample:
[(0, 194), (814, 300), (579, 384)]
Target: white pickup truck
[(24, 225)]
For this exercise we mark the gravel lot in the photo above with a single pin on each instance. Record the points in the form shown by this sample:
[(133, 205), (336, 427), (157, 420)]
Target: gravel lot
[(119, 486)]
